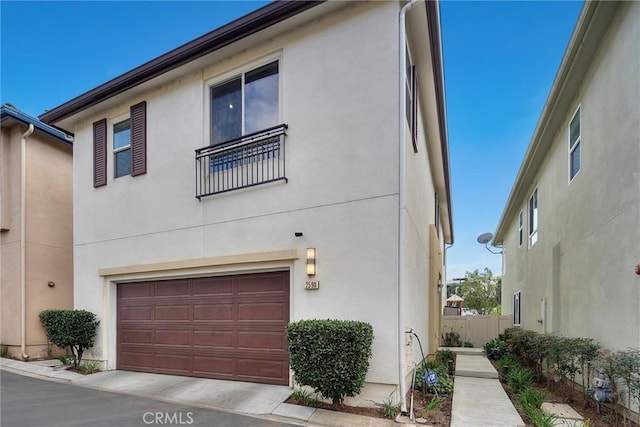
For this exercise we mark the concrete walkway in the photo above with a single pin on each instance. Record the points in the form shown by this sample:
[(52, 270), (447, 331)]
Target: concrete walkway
[(265, 401), (478, 397)]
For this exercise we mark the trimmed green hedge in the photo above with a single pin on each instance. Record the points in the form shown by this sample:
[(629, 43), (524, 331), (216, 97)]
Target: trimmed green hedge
[(76, 329), (332, 356)]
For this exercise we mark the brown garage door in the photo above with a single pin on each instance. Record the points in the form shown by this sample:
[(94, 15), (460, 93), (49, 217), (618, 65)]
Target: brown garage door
[(230, 327)]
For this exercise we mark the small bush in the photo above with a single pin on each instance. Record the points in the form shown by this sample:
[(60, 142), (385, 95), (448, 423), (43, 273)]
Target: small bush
[(331, 356), (302, 396), (4, 350), (506, 363), (65, 359), (451, 339), (467, 344), (496, 349), (75, 329)]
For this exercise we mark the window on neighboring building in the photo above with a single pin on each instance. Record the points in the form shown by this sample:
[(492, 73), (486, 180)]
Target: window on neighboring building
[(533, 218), (516, 309), (574, 145), (122, 148), (411, 101), (520, 228), (245, 104)]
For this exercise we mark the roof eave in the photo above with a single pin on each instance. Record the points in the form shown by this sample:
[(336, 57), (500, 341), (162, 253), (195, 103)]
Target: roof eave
[(240, 28)]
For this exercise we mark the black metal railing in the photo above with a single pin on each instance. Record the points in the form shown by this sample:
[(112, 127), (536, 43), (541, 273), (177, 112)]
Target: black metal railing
[(254, 159)]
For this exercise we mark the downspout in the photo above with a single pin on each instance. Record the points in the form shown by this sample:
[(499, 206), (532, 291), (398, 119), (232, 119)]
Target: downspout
[(23, 243), (402, 205)]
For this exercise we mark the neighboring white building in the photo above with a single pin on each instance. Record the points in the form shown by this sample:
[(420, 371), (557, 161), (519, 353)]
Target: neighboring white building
[(571, 226), (189, 277)]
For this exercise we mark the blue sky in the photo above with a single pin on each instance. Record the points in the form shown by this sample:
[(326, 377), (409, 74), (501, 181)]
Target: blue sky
[(500, 61)]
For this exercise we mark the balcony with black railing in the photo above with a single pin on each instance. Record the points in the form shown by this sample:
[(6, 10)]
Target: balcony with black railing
[(253, 159)]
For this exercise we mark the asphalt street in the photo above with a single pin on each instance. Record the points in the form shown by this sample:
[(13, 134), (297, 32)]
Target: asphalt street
[(31, 402)]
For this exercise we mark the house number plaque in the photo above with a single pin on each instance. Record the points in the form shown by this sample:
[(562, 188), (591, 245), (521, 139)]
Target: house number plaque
[(312, 285)]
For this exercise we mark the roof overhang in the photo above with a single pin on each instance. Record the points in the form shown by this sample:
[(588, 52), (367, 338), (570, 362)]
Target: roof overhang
[(242, 27), (11, 116)]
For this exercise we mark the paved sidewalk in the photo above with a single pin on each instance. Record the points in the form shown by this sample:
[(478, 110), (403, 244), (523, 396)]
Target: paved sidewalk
[(261, 400), (478, 397)]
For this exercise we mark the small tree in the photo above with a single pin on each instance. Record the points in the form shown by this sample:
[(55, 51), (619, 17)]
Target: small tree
[(481, 291), (75, 329), (332, 356)]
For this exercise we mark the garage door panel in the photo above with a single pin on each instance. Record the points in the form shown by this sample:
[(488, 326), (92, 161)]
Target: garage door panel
[(230, 327), (265, 311), (212, 366), (136, 313), (135, 290), (171, 288), (265, 369), (173, 362), (211, 312), (172, 312), (136, 336), (261, 340), (213, 286), (172, 337), (220, 339), (262, 283)]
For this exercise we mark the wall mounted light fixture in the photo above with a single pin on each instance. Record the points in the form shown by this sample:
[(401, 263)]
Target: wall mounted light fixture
[(439, 284), (311, 261)]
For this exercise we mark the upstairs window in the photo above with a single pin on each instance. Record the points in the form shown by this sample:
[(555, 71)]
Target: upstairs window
[(122, 148), (245, 104), (520, 228), (411, 101), (533, 218), (574, 145)]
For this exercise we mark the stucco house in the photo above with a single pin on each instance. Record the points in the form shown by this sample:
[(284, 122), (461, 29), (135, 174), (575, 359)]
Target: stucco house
[(571, 226), (36, 228), (291, 164)]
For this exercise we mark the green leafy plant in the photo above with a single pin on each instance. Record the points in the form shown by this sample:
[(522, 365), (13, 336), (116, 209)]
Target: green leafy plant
[(390, 408), (506, 363), (65, 359), (448, 359), (4, 350), (495, 349), (531, 397), (75, 329), (431, 406), (626, 366), (303, 397), (520, 378), (467, 344), (331, 356), (89, 367)]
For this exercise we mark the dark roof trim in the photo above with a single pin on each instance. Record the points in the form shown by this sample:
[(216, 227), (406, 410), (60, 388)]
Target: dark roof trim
[(433, 19), (9, 111), (242, 27)]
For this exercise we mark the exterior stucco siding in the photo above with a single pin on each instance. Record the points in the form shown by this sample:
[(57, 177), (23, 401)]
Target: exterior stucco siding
[(589, 228)]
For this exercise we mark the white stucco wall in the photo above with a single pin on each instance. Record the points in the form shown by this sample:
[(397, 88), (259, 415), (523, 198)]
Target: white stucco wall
[(338, 94), (593, 222)]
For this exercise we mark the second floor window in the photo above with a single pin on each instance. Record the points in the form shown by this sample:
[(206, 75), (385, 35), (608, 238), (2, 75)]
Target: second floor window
[(574, 145), (533, 218), (122, 148), (520, 228), (245, 104)]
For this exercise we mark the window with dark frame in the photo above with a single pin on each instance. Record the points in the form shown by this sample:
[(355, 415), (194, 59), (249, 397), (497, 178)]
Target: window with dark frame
[(516, 309), (411, 101), (533, 218), (574, 145), (520, 228), (122, 148)]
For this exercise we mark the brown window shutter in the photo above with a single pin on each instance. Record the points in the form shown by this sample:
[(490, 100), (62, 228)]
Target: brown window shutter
[(414, 109), (100, 153), (139, 139)]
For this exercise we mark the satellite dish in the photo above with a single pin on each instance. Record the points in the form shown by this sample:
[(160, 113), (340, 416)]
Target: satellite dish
[(485, 238)]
